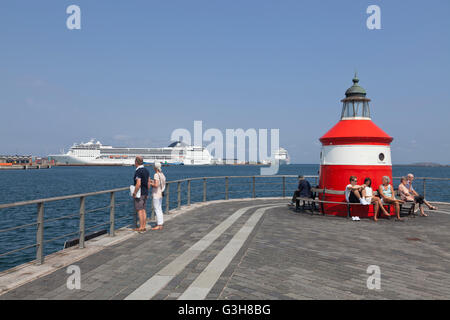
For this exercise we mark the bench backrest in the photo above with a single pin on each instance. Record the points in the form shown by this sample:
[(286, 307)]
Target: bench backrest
[(327, 191), (342, 192)]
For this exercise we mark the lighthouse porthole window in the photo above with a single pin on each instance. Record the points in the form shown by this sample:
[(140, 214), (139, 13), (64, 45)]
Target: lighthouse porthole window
[(381, 156)]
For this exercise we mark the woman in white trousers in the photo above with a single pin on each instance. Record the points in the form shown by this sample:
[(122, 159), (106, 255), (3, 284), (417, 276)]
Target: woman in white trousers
[(158, 185)]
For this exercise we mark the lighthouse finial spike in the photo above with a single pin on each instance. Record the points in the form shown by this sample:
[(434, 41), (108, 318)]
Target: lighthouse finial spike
[(355, 78)]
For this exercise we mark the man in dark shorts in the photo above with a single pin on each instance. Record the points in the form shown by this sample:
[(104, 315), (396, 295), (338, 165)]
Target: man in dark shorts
[(353, 191), (141, 181)]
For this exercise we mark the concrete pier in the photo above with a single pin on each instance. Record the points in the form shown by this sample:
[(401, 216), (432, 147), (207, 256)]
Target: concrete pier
[(250, 249), (26, 167)]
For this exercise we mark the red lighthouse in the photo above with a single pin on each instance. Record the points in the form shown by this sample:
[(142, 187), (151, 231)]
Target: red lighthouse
[(355, 146)]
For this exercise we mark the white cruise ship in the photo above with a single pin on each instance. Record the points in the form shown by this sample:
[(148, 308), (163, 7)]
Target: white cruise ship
[(283, 156), (94, 153)]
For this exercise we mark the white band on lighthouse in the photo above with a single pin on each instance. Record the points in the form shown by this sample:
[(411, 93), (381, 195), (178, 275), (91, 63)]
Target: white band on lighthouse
[(360, 155)]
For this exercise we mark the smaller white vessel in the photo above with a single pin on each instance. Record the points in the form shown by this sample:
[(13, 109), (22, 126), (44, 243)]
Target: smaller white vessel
[(282, 156)]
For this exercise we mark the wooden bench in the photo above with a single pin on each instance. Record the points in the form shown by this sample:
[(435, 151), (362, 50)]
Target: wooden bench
[(307, 202), (406, 209), (335, 192), (311, 202), (349, 205)]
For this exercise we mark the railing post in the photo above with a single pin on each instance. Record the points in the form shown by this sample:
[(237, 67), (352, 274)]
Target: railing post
[(424, 190), (226, 188), (179, 194), (189, 192), (82, 227), (40, 234), (167, 192), (284, 187), (112, 214), (204, 189), (253, 187)]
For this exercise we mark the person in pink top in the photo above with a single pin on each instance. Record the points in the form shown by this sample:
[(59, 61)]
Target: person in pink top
[(409, 181), (405, 195)]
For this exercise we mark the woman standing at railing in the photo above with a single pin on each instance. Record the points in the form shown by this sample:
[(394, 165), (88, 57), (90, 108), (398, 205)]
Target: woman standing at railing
[(158, 185)]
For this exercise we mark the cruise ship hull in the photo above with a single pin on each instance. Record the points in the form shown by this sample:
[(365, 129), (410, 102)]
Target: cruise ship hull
[(71, 160), (94, 153), (67, 159)]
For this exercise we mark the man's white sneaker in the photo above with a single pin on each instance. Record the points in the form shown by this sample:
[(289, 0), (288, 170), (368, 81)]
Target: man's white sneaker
[(364, 202)]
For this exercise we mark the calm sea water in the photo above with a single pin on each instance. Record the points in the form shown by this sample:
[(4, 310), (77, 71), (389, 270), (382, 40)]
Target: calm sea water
[(20, 185)]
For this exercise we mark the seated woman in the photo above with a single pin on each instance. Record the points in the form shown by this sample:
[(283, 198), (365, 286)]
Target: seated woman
[(386, 192), (367, 195), (406, 196)]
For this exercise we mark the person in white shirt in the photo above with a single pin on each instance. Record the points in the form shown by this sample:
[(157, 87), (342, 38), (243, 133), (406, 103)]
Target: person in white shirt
[(353, 191), (369, 198), (158, 185)]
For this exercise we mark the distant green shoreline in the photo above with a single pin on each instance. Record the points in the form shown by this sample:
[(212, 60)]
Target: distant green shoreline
[(429, 165)]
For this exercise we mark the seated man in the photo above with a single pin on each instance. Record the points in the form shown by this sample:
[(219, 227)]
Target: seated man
[(303, 191), (353, 192), (410, 178)]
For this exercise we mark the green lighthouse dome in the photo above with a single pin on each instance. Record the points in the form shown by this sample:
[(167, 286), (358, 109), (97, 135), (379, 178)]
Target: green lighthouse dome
[(356, 104), (355, 89)]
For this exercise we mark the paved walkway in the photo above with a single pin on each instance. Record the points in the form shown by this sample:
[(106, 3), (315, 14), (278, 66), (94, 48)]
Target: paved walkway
[(261, 249)]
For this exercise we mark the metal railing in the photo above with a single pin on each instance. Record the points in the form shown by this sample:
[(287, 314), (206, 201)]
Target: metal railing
[(40, 221), (177, 194)]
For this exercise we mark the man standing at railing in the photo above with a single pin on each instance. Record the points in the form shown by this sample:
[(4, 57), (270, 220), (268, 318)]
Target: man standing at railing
[(141, 182)]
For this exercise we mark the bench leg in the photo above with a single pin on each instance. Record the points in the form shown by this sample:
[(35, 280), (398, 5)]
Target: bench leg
[(411, 210)]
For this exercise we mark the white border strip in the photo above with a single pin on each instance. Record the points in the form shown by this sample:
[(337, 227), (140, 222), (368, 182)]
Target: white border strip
[(153, 285), (203, 284), (357, 155)]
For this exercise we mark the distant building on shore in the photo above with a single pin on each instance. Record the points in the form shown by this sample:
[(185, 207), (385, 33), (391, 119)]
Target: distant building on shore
[(15, 159)]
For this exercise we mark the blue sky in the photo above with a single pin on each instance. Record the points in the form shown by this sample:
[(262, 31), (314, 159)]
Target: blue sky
[(137, 70)]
